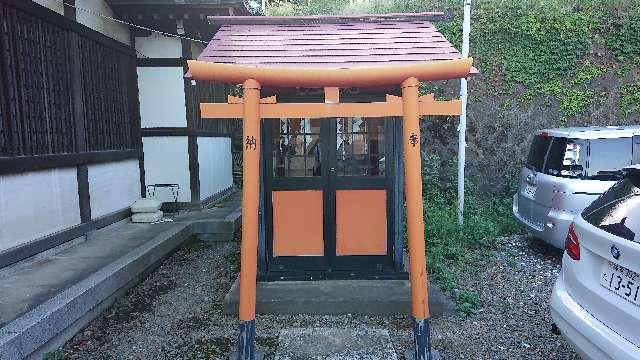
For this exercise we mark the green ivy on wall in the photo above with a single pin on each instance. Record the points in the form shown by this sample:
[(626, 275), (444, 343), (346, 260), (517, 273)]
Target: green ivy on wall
[(630, 98), (542, 46), (622, 33), (534, 45)]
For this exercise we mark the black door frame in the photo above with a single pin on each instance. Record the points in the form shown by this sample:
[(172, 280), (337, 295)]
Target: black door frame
[(329, 183)]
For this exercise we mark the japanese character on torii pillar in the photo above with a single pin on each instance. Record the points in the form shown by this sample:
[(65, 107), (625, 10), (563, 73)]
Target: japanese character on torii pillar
[(410, 107)]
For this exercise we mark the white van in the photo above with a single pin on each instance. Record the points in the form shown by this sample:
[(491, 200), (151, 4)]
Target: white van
[(566, 170)]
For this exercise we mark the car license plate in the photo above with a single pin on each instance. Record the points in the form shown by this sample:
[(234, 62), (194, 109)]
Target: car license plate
[(529, 191), (621, 281)]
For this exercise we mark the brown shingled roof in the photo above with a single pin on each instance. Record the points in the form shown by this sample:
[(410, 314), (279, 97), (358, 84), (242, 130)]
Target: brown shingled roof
[(329, 45)]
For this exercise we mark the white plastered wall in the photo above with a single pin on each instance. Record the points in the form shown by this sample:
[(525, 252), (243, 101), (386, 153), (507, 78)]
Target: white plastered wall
[(166, 161), (162, 102), (113, 186), (55, 5), (36, 204), (88, 13), (158, 46), (162, 105), (108, 27), (214, 159)]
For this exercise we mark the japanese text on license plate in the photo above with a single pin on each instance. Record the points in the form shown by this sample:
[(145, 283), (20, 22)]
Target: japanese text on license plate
[(621, 281)]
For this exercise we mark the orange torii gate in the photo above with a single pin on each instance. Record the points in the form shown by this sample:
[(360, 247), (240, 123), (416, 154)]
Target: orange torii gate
[(251, 108)]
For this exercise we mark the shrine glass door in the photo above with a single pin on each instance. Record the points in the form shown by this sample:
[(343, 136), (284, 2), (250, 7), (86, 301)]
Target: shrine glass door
[(327, 194)]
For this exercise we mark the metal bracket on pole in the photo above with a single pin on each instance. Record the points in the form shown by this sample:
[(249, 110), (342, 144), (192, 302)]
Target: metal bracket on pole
[(246, 341), (422, 339)]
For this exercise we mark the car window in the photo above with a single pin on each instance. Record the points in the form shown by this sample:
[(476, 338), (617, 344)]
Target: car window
[(567, 158), (609, 155), (578, 158), (538, 152), (636, 149), (617, 211)]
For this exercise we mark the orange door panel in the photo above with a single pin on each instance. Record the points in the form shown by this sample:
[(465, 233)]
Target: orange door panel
[(298, 223), (361, 222)]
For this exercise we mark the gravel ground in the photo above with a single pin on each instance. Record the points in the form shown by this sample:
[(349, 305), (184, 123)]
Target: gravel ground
[(513, 321), (176, 313)]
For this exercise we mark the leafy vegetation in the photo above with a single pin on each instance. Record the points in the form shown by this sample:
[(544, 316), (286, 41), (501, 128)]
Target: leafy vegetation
[(55, 355), (468, 302), (543, 46), (587, 72), (455, 251), (630, 98), (622, 31)]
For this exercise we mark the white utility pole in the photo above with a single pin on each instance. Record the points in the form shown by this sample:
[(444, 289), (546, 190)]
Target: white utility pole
[(462, 128)]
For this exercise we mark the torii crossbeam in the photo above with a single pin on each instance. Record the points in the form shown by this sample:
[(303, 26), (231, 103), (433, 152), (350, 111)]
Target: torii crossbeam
[(410, 107)]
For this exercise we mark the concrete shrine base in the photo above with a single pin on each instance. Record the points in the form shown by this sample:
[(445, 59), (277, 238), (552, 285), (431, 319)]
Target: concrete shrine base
[(335, 297)]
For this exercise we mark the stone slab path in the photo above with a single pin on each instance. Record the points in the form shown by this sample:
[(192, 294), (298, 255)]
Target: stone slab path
[(335, 344)]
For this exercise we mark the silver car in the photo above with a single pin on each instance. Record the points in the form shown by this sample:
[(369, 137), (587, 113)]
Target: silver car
[(565, 171), (596, 300)]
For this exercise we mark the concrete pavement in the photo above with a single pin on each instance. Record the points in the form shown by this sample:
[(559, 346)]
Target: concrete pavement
[(46, 299)]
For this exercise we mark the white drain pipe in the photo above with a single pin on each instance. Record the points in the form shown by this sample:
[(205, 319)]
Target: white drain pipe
[(462, 128)]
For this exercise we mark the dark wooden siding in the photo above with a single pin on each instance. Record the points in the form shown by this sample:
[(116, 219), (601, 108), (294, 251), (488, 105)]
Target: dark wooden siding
[(36, 86), (208, 92), (64, 88), (105, 74)]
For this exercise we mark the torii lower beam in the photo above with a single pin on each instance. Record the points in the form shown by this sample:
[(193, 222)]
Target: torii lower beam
[(251, 109), (269, 109)]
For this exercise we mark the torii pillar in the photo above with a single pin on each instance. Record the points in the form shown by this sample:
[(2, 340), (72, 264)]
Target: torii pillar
[(415, 219), (250, 209)]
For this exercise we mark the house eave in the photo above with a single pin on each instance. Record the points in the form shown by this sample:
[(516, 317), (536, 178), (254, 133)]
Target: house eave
[(149, 7)]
